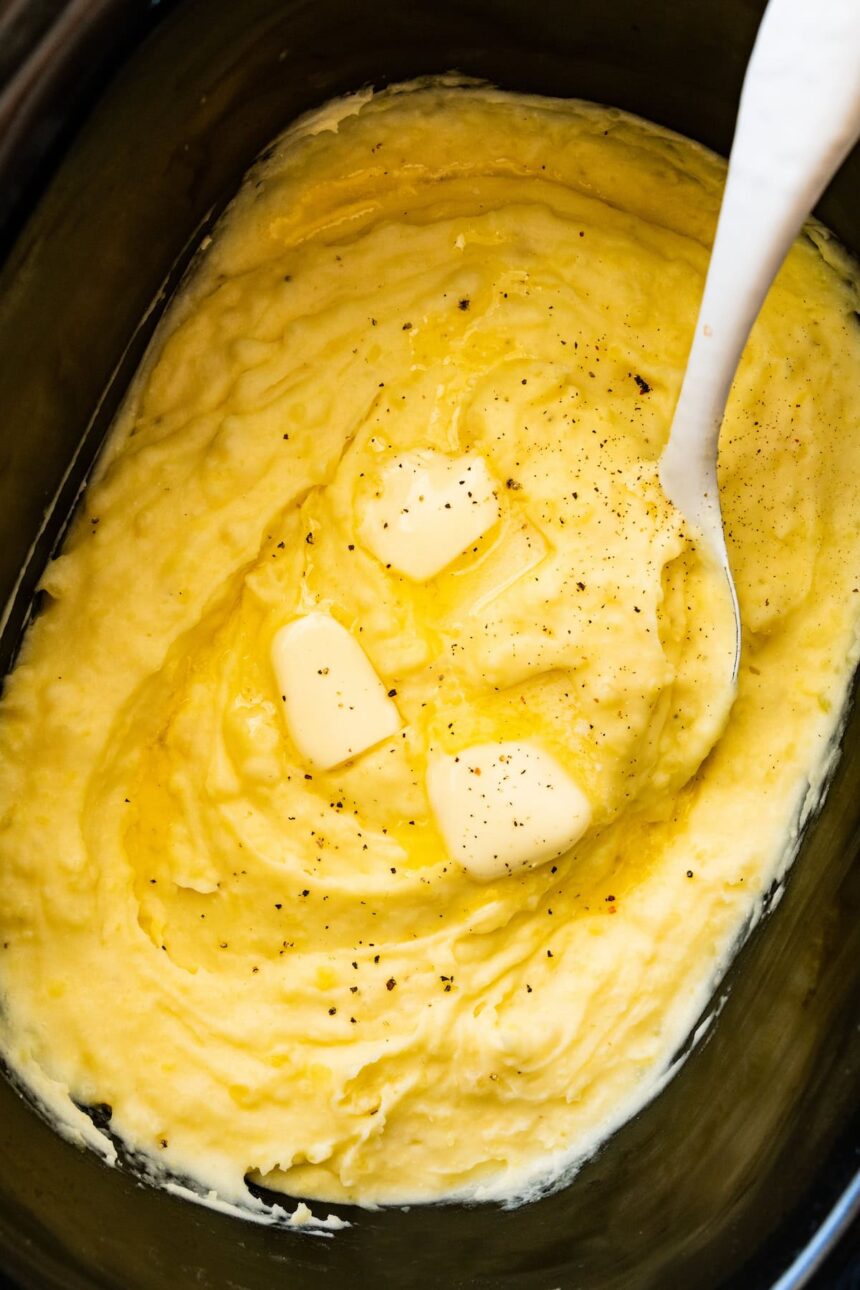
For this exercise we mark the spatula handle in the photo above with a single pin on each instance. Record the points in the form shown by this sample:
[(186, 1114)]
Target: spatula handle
[(799, 116)]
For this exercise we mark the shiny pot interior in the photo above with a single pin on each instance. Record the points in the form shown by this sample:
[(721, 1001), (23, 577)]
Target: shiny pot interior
[(727, 1177)]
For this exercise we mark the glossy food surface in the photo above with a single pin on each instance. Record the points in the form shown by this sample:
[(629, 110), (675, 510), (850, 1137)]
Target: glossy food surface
[(330, 994)]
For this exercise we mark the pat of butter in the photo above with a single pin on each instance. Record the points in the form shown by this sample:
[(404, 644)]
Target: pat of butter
[(505, 806), (334, 703), (428, 510)]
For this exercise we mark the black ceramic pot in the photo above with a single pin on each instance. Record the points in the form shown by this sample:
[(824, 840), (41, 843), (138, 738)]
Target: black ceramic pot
[(124, 127)]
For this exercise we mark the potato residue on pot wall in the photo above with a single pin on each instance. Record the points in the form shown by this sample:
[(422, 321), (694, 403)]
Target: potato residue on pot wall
[(273, 890)]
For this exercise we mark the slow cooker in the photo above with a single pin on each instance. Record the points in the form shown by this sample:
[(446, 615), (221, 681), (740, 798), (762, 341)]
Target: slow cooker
[(125, 126)]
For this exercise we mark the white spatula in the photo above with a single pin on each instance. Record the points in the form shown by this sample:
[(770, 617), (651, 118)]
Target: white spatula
[(798, 118)]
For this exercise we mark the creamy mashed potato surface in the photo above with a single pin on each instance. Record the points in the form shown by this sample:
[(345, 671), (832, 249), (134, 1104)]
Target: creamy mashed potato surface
[(269, 920)]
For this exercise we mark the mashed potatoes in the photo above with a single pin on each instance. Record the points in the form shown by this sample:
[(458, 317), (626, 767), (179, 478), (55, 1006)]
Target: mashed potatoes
[(252, 900)]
